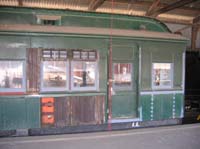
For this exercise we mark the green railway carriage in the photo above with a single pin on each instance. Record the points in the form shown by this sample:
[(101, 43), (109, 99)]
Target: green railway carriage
[(54, 69)]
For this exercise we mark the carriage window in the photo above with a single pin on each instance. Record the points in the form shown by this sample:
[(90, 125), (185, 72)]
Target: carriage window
[(54, 70), (84, 75), (162, 75), (122, 76), (12, 76)]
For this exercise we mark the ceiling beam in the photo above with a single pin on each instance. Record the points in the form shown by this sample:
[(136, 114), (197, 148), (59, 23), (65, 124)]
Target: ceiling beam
[(195, 29), (20, 3), (172, 6), (196, 19), (94, 4), (153, 7)]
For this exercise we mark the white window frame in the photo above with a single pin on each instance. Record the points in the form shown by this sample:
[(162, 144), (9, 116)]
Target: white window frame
[(93, 88), (161, 87), (117, 88), (54, 89), (14, 90)]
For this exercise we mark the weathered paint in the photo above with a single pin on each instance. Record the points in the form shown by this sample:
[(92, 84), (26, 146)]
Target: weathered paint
[(164, 106), (19, 113), (75, 18), (129, 104)]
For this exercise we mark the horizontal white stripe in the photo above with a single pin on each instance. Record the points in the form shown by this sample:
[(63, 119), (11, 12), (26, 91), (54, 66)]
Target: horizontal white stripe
[(161, 92), (124, 120)]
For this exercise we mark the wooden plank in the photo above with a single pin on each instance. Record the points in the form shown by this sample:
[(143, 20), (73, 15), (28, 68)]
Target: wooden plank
[(94, 4), (33, 70), (87, 110), (153, 7), (196, 19), (194, 37), (62, 112)]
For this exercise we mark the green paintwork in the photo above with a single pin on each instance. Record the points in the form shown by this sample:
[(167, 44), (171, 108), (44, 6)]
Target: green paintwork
[(163, 52), (76, 18), (145, 103), (162, 106), (124, 102), (19, 113), (179, 104)]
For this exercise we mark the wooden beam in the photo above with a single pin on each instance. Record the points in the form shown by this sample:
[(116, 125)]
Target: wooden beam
[(94, 4), (172, 6), (153, 7), (195, 29), (194, 37), (20, 3), (196, 19)]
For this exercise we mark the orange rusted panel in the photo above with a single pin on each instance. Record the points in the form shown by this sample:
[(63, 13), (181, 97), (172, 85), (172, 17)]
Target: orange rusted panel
[(48, 100), (47, 109), (48, 119)]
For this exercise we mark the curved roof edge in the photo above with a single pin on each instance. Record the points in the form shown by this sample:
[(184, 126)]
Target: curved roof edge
[(120, 21)]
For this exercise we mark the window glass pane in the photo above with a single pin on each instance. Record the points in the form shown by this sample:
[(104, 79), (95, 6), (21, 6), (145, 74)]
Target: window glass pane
[(11, 74), (84, 74), (54, 74), (122, 75), (162, 75)]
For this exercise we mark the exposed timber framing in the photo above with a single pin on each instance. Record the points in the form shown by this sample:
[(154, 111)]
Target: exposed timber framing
[(196, 19), (152, 7), (20, 3), (195, 29), (94, 4), (130, 6), (172, 6)]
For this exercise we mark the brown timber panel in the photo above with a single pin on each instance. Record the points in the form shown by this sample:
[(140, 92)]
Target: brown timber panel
[(62, 112), (87, 110), (71, 111), (33, 70)]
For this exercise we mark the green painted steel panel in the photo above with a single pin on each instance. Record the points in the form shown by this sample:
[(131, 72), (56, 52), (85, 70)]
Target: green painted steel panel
[(33, 112), (69, 42), (161, 52), (13, 47), (167, 105), (16, 18), (145, 103), (124, 106), (125, 102), (19, 113), (179, 105), (162, 106)]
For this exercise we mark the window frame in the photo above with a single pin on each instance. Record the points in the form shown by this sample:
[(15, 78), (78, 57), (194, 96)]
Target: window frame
[(16, 90), (154, 87), (54, 89), (54, 55), (95, 87), (129, 88)]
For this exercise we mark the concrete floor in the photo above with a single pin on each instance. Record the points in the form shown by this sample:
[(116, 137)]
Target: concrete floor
[(172, 137)]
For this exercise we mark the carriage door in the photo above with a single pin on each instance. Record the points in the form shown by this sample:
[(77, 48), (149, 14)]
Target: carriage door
[(125, 82)]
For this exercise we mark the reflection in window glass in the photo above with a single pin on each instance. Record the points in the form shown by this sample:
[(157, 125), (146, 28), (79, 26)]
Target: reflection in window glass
[(122, 75), (11, 74), (84, 74), (54, 74), (162, 75)]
